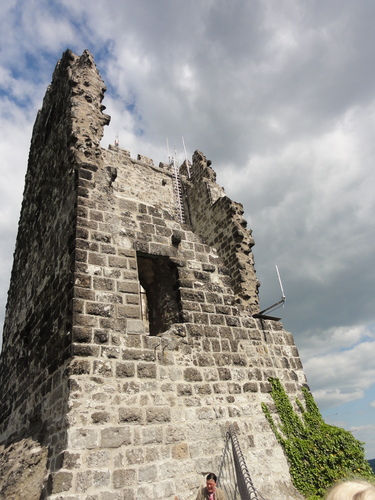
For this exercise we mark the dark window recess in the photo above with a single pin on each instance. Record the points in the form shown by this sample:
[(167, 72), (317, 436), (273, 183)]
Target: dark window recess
[(158, 278)]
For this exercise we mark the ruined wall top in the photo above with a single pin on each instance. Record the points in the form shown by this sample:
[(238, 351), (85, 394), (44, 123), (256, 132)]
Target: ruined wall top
[(129, 342)]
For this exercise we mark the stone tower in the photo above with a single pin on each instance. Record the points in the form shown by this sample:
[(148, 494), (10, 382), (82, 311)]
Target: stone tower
[(130, 342)]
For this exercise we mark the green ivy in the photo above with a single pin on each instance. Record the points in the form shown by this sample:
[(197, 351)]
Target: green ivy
[(318, 454)]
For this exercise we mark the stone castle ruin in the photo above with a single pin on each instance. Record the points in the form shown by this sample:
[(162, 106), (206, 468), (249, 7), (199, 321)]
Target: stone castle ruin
[(132, 336)]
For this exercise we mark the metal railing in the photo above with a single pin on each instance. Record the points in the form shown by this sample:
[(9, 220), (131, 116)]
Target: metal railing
[(234, 477)]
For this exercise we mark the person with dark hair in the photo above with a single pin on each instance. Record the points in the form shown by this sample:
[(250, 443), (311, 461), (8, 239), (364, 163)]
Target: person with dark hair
[(210, 491)]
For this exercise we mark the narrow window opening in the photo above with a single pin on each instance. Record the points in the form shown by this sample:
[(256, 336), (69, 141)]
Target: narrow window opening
[(144, 308), (159, 305)]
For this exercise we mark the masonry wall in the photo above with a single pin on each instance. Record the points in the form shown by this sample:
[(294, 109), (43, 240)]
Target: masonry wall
[(157, 351), (38, 316), (220, 222)]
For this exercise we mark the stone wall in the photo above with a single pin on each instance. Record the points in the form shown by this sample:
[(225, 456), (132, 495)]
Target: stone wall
[(37, 337), (150, 350), (219, 221), (38, 316)]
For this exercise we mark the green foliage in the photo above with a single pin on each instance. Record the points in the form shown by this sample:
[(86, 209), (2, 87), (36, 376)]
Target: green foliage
[(318, 454)]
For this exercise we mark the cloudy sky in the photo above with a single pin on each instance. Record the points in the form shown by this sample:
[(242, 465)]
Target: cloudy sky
[(280, 95)]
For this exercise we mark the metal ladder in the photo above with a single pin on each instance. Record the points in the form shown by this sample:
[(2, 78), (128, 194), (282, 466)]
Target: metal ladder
[(178, 191)]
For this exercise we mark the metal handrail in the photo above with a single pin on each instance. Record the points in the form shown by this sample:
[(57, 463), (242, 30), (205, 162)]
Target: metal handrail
[(234, 477)]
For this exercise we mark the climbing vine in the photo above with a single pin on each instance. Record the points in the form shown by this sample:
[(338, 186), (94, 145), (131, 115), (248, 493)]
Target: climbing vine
[(318, 454)]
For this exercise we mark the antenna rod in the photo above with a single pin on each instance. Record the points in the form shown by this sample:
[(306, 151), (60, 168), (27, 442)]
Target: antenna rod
[(283, 298), (281, 285), (169, 154), (186, 158)]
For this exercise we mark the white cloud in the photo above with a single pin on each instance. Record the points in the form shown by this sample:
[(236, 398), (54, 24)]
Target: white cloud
[(321, 342), (329, 398), (366, 434), (342, 376), (279, 96)]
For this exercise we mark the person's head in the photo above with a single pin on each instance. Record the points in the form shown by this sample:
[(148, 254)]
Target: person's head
[(352, 490), (211, 480)]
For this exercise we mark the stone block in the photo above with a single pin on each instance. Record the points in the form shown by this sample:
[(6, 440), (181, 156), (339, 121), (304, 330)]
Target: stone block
[(110, 352), (101, 336), (78, 367), (118, 262), (232, 321), (134, 456), (234, 388), (98, 459), (67, 460), (114, 437), (128, 287), (84, 293), (210, 375), (110, 495), (265, 387), (125, 370), (130, 415), (61, 481), (184, 390), (82, 280), (84, 350), (132, 299), (129, 311), (119, 478), (103, 284), (224, 373), (83, 481), (201, 318), (205, 413), (217, 319), (103, 368), (158, 415), (132, 340), (205, 360), (225, 345), (239, 359), (108, 249), (250, 387), (180, 450), (146, 370), (152, 435), (135, 327), (131, 387), (175, 433), (192, 375), (81, 334), (85, 320), (83, 438), (222, 359), (100, 417), (147, 474), (101, 478), (129, 494), (151, 454), (202, 389)]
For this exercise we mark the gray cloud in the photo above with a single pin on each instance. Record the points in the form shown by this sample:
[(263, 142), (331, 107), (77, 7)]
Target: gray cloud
[(280, 96)]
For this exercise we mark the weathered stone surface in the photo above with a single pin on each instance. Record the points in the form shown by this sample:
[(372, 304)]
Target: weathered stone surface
[(23, 469), (114, 437), (129, 341)]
